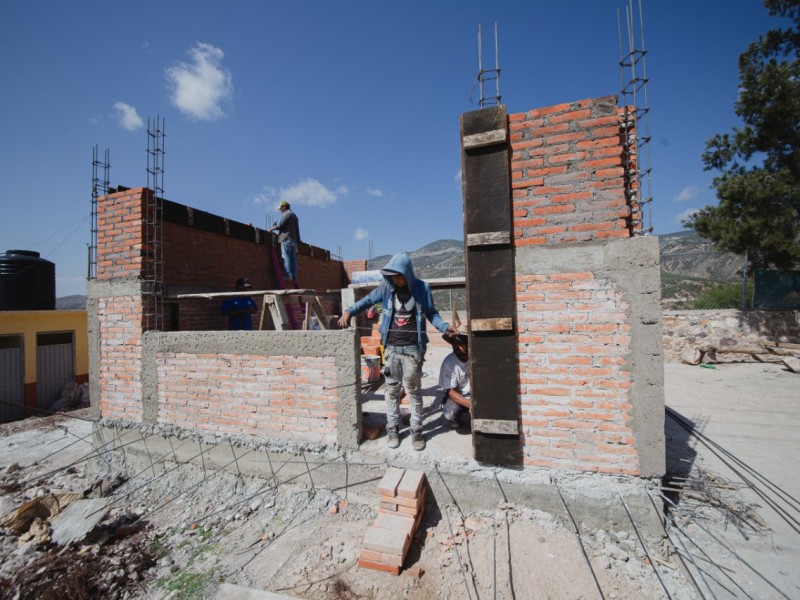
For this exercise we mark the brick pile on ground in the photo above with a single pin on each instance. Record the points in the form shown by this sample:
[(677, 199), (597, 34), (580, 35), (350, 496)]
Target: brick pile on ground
[(402, 504)]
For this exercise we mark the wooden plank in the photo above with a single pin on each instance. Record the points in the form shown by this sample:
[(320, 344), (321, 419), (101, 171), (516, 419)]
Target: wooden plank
[(264, 309), (278, 312), (316, 307), (488, 201), (494, 324), (491, 281), (437, 283), (486, 138), (489, 238), (498, 426)]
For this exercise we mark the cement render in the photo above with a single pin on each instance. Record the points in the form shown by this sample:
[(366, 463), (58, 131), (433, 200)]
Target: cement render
[(632, 264)]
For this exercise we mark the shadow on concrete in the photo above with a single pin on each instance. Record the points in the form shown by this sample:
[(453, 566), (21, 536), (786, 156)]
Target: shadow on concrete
[(680, 448)]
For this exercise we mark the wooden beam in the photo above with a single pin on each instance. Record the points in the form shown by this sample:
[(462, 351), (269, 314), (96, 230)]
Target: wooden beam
[(489, 238), (439, 283), (497, 426), (486, 138), (494, 324)]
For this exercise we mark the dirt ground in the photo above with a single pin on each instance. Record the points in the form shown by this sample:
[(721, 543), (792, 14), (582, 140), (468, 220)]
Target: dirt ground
[(180, 532)]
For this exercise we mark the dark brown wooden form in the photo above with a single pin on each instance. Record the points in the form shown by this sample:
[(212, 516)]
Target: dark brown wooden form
[(488, 236)]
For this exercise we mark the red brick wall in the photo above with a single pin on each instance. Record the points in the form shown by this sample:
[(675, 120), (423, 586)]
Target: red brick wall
[(119, 235), (279, 397), (196, 260), (574, 377), (567, 178), (120, 366), (568, 188)]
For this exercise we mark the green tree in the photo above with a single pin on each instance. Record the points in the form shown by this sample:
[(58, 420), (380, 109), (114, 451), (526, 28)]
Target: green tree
[(759, 183)]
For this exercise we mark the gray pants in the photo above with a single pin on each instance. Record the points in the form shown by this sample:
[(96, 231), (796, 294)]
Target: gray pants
[(403, 370)]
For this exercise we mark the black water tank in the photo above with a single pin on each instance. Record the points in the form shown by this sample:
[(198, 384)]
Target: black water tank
[(27, 282)]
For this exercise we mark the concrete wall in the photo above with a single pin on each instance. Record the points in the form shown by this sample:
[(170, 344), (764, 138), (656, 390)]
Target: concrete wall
[(587, 297), (726, 329)]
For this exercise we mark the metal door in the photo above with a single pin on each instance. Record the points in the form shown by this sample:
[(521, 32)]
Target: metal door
[(12, 379), (55, 366)]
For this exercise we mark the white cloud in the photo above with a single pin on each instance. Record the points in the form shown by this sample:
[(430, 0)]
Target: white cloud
[(687, 193), (683, 216), (457, 176), (375, 192), (361, 234), (342, 190), (304, 193), (127, 116), (199, 88)]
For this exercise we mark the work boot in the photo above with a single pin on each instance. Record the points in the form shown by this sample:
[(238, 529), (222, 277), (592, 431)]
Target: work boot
[(392, 438), (417, 441)]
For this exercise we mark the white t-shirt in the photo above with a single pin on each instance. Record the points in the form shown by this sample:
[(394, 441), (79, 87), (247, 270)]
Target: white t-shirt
[(454, 375)]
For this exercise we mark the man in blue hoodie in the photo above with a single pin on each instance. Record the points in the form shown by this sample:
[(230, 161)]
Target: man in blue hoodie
[(407, 303)]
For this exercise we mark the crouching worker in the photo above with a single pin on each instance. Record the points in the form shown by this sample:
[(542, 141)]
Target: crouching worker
[(454, 380), (407, 303)]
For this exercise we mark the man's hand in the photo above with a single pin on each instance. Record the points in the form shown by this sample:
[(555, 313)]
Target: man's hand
[(451, 331), (344, 320)]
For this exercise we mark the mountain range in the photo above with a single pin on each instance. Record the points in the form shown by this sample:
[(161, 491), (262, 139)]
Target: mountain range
[(687, 260)]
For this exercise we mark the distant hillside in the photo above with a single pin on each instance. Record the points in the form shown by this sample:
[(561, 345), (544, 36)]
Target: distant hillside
[(686, 253), (690, 268), (442, 258), (71, 303)]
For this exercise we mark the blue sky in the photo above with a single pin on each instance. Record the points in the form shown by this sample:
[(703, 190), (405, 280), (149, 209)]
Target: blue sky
[(350, 108)]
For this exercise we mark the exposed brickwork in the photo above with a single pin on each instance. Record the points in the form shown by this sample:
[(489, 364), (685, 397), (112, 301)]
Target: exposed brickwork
[(119, 235), (279, 397), (573, 374), (120, 374), (568, 187), (567, 176), (289, 397)]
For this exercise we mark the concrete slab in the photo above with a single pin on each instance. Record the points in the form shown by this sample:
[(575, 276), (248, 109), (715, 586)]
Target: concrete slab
[(78, 519), (750, 416), (229, 591)]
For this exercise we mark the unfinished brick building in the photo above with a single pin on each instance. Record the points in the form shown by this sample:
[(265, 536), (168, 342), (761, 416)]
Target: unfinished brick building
[(566, 332)]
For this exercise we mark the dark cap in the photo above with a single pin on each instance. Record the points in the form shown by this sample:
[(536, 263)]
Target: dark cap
[(389, 272), (452, 339), (243, 282)]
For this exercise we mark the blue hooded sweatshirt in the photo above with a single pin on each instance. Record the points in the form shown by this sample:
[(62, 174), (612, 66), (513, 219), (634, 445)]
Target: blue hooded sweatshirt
[(400, 263)]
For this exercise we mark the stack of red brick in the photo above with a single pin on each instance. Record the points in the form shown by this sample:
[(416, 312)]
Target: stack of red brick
[(371, 344), (402, 503)]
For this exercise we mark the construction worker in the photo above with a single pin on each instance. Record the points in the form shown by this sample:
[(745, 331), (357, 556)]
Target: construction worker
[(240, 309), (454, 380), (288, 229), (407, 303)]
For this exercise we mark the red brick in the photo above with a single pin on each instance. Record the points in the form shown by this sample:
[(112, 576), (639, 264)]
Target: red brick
[(411, 484), (386, 541), (366, 564), (388, 484), (396, 522)]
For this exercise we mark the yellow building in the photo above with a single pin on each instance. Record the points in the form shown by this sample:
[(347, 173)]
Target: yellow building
[(40, 352)]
